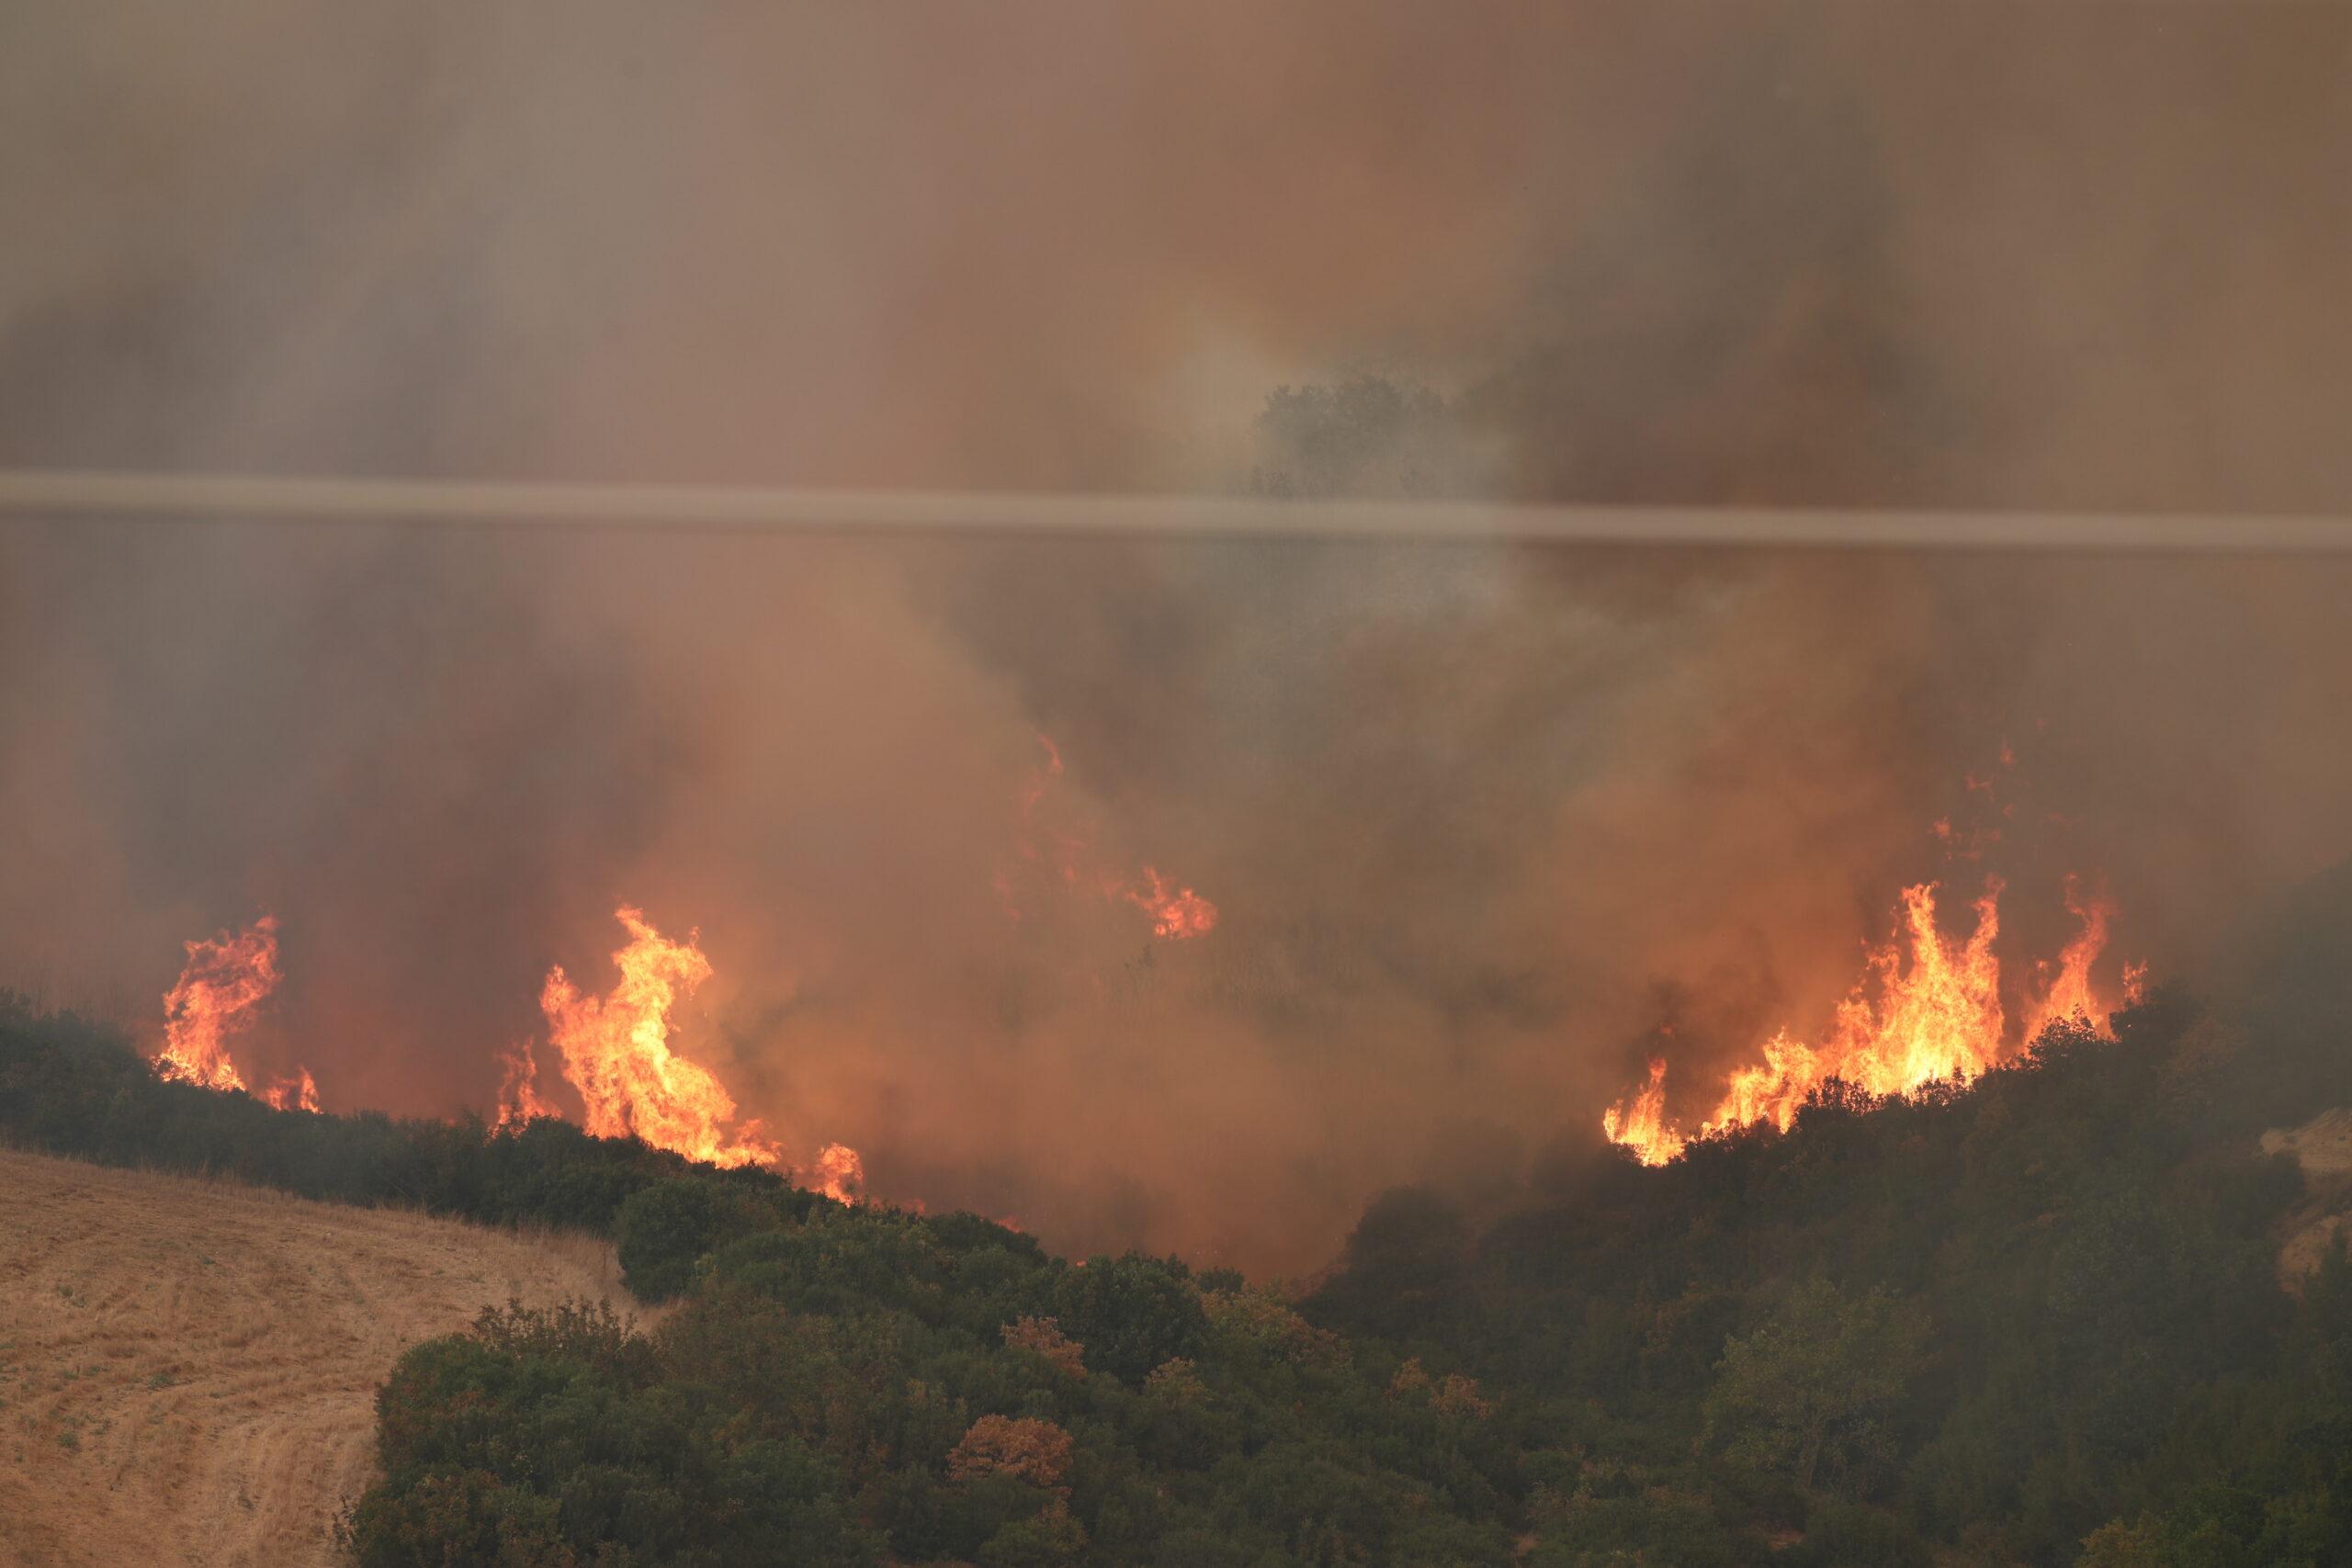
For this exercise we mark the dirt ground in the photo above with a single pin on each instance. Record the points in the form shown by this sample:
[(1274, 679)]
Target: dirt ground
[(2322, 1146), (188, 1367)]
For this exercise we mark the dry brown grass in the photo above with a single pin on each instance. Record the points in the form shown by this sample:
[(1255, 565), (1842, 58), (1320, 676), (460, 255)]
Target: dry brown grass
[(2322, 1146), (188, 1367)]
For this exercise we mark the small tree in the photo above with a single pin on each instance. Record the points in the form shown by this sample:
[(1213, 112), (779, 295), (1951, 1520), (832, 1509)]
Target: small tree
[(1044, 1336), (1810, 1392), (1131, 1314), (664, 1232), (1037, 1453)]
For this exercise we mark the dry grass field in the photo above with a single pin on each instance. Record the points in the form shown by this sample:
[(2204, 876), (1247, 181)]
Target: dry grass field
[(186, 1367)]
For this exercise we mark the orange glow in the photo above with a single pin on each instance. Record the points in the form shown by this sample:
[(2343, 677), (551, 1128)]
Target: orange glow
[(518, 1095), (300, 1092), (1177, 913), (2070, 998), (1639, 1122), (1937, 1016), (616, 1052), (224, 983), (1927, 1010), (838, 1172)]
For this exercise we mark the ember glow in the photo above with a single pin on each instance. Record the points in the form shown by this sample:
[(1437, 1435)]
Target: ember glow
[(223, 984), (1178, 913), (1927, 1010), (616, 1051)]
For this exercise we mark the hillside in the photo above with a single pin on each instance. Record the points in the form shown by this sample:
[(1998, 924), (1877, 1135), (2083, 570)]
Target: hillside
[(188, 1366), (2040, 1319)]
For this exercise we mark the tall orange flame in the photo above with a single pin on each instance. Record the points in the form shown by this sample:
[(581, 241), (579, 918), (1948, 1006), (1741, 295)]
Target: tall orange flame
[(1927, 1008), (2071, 997), (616, 1052), (518, 1094), (1639, 1123), (224, 982)]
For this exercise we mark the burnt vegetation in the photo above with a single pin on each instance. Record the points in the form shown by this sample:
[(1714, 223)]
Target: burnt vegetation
[(2040, 1319)]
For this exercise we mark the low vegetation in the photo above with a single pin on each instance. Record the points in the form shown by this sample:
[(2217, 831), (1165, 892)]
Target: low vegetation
[(2040, 1320)]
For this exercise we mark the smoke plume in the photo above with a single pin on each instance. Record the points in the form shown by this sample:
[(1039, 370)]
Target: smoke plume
[(1483, 824)]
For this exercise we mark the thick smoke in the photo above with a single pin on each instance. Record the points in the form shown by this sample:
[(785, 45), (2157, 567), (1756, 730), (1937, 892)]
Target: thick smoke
[(1480, 820)]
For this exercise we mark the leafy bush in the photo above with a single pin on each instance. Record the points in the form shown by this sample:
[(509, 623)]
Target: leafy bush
[(1132, 1314), (664, 1230)]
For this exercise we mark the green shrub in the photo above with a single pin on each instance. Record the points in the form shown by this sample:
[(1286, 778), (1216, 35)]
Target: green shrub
[(664, 1230)]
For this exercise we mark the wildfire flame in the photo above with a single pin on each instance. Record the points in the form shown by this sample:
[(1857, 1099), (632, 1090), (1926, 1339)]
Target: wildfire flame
[(616, 1052), (1177, 913), (299, 1092), (518, 1095), (1639, 1122), (2071, 995), (1927, 1009), (839, 1172), (225, 980)]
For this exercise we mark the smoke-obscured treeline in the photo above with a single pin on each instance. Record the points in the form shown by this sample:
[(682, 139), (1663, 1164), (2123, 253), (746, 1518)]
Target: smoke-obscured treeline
[(1483, 825), (2072, 1313)]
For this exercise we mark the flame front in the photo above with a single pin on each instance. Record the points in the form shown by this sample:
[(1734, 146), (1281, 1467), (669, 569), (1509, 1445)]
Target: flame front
[(1640, 1123), (1939, 1016), (223, 985), (616, 1052), (1927, 1008)]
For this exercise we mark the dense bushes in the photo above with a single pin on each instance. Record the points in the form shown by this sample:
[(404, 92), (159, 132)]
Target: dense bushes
[(551, 1439), (865, 1385), (836, 1385), (2038, 1321), (1994, 1320), (73, 1087)]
